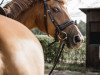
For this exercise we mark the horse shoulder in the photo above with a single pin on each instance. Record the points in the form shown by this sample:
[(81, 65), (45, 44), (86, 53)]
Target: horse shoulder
[(23, 54)]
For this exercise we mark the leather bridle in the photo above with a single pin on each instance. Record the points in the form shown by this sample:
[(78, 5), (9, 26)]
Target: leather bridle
[(59, 29)]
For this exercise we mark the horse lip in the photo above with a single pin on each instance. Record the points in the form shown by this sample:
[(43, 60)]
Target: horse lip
[(70, 45)]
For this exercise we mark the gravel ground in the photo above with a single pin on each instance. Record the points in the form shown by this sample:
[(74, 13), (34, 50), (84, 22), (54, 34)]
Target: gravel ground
[(71, 73)]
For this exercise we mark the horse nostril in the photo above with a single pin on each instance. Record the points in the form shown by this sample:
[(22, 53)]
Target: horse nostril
[(77, 39)]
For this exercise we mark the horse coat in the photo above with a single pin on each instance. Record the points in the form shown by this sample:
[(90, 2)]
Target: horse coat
[(20, 51)]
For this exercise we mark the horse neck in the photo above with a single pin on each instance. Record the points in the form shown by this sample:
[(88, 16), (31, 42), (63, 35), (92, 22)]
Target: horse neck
[(27, 18), (31, 18), (21, 11)]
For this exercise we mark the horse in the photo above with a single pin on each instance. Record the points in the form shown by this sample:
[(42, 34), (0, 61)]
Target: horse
[(50, 16), (20, 51)]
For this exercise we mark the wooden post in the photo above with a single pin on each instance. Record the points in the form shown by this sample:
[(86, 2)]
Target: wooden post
[(92, 37)]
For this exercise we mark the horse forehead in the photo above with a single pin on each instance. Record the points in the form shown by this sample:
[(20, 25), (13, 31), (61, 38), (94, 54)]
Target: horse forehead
[(51, 2), (54, 3), (61, 1)]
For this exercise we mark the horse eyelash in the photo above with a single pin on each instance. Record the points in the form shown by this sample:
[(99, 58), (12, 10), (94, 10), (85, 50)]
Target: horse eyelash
[(55, 9)]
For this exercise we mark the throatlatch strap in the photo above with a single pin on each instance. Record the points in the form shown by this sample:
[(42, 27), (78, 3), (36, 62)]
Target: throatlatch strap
[(45, 16)]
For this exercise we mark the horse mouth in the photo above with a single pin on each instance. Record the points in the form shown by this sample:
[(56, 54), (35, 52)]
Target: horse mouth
[(71, 44)]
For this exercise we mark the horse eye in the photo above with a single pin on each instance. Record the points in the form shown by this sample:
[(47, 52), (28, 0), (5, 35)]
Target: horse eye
[(55, 10)]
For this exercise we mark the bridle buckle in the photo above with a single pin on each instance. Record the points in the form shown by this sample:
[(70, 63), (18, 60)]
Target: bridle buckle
[(63, 35)]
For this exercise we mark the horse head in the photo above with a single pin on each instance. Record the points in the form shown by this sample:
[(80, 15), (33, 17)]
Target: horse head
[(50, 16)]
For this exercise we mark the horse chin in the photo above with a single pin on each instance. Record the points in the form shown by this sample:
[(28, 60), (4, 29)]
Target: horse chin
[(69, 46)]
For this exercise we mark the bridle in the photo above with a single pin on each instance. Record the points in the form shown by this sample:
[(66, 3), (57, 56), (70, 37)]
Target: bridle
[(59, 29)]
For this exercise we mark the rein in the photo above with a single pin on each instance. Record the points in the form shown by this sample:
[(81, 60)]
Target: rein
[(58, 30)]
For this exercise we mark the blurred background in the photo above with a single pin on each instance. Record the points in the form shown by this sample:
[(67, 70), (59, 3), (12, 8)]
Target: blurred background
[(74, 59)]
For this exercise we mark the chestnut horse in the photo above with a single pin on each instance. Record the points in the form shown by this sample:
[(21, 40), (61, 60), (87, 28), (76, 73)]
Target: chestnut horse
[(50, 16), (20, 51)]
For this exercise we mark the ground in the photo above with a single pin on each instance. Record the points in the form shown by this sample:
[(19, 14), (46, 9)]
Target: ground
[(71, 73)]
